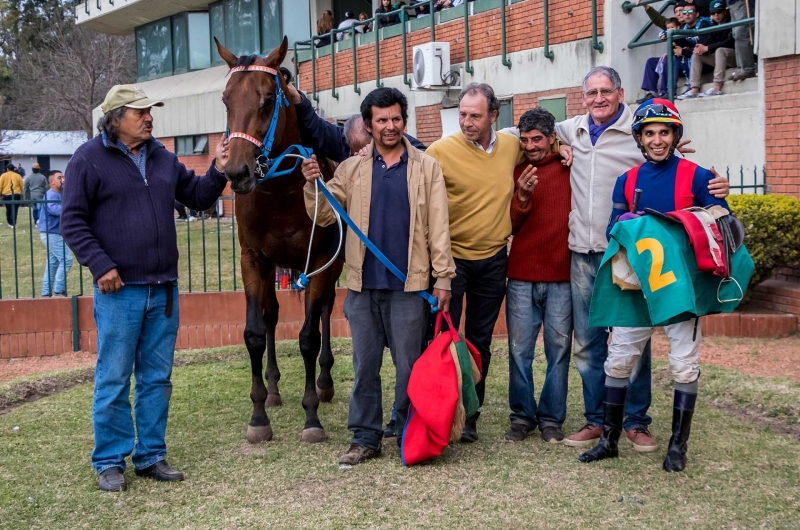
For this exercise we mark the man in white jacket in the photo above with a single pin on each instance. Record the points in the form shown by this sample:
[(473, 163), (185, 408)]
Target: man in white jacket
[(603, 149)]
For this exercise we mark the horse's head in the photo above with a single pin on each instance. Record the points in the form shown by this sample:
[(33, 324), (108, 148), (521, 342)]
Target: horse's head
[(250, 97)]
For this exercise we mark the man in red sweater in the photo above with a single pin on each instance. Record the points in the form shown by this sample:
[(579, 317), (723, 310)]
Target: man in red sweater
[(538, 281)]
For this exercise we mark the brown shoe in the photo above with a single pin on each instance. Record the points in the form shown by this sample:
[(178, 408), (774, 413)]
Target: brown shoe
[(358, 453), (642, 440), (740, 75), (586, 437)]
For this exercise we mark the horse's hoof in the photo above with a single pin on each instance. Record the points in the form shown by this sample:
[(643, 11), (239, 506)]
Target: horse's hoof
[(261, 433), (274, 400), (313, 435), (326, 396)]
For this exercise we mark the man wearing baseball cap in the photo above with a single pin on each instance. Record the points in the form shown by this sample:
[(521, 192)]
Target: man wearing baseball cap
[(117, 218)]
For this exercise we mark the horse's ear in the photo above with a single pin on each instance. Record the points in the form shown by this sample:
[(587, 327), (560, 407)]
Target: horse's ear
[(226, 55), (277, 56)]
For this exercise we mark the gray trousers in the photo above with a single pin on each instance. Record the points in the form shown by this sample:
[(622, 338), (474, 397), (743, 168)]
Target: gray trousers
[(721, 59), (741, 35), (379, 317)]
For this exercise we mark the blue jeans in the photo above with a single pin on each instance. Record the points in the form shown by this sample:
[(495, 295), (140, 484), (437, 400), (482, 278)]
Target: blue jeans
[(134, 336), (529, 306), (59, 262), (36, 207), (376, 317), (591, 351)]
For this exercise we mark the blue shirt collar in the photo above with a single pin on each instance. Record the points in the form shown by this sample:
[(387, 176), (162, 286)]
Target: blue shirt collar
[(377, 156)]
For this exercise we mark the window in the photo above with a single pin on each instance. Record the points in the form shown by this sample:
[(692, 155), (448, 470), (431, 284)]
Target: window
[(154, 49), (216, 17), (242, 26), (180, 44), (191, 145), (506, 116), (271, 27), (556, 106), (199, 41)]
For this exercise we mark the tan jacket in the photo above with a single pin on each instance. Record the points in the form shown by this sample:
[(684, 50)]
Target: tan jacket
[(429, 241)]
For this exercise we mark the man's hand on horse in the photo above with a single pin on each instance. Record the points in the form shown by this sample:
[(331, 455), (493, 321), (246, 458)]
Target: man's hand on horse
[(110, 282), (526, 182), (294, 95), (311, 170), (443, 296), (719, 186), (222, 153)]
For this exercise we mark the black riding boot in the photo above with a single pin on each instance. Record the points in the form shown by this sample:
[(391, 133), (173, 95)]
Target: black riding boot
[(682, 412), (613, 413)]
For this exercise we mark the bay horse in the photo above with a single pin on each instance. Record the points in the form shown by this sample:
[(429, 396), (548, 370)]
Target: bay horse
[(274, 230)]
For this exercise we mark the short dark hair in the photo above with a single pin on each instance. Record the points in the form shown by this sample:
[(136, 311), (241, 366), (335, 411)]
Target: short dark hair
[(673, 20), (486, 90), (537, 119), (10, 167), (53, 172), (287, 74), (383, 98)]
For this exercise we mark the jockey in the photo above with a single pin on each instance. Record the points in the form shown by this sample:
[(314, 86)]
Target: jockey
[(663, 183)]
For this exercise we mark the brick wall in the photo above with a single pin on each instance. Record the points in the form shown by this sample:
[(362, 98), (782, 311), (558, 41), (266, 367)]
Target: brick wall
[(429, 124), (569, 21), (573, 95), (201, 163), (782, 123)]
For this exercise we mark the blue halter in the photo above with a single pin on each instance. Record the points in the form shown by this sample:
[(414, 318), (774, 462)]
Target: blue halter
[(265, 146)]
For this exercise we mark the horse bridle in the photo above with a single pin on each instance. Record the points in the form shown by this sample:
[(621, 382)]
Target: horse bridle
[(263, 160)]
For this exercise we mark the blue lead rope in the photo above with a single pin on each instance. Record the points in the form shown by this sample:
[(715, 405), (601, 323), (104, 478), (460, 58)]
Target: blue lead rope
[(370, 245)]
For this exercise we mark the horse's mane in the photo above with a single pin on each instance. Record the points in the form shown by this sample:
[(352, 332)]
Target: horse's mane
[(246, 60)]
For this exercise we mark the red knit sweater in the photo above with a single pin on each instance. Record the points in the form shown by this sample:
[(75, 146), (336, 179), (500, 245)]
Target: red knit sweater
[(540, 250)]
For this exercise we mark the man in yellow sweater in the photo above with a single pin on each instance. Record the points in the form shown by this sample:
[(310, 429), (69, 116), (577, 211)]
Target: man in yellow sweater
[(478, 167), (11, 189)]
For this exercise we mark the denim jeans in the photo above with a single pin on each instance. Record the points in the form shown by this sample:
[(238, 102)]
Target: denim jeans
[(529, 307), (591, 351), (134, 336), (483, 283), (36, 207), (59, 262), (378, 317)]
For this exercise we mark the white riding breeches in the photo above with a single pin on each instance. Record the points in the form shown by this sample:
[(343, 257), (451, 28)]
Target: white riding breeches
[(684, 355)]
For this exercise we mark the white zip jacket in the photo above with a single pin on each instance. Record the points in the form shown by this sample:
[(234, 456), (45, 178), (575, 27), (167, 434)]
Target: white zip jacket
[(595, 169)]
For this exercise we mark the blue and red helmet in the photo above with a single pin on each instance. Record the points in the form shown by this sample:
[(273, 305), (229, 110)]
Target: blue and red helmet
[(657, 110)]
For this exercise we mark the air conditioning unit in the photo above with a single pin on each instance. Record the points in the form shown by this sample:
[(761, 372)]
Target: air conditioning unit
[(431, 65)]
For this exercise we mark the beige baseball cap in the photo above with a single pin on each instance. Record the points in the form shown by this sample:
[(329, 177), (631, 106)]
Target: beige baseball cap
[(127, 96)]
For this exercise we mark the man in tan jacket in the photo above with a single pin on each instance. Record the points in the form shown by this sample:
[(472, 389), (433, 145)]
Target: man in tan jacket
[(397, 196)]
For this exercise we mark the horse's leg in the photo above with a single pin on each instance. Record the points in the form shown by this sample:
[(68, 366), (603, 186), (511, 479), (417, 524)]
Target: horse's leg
[(310, 340), (273, 374), (259, 429), (325, 380)]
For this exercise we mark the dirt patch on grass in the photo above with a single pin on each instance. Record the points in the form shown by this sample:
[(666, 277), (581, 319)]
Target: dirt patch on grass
[(14, 368), (33, 389), (756, 416)]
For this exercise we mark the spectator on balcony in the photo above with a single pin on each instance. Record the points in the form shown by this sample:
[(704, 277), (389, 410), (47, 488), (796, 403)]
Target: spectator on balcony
[(349, 20), (11, 185), (714, 49), (659, 20), (743, 36), (387, 20), (59, 258), (324, 26), (423, 8), (366, 28), (34, 189)]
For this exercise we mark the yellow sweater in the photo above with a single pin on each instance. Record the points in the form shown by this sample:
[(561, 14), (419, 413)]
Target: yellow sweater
[(10, 183), (479, 190)]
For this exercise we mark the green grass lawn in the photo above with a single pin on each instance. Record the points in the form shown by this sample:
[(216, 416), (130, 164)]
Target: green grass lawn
[(739, 475)]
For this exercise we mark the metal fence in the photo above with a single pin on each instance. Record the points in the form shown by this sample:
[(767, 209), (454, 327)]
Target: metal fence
[(208, 247)]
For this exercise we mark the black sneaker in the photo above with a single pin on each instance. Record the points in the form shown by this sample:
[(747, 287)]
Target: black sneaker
[(470, 433), (648, 95), (112, 479), (552, 434), (518, 432), (390, 431)]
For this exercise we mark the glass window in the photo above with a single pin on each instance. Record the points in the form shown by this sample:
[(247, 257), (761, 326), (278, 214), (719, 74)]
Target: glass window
[(199, 41), (180, 44), (506, 116), (556, 106), (242, 27), (154, 49), (191, 145), (271, 25), (216, 15)]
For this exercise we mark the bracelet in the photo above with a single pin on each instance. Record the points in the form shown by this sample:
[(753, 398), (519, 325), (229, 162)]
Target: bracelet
[(217, 167)]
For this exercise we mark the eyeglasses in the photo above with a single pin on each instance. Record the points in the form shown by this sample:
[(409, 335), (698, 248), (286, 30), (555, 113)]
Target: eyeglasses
[(605, 92), (687, 11)]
